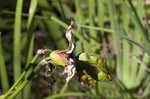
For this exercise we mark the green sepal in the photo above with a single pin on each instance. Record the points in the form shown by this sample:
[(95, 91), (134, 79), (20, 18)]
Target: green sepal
[(95, 66), (94, 59)]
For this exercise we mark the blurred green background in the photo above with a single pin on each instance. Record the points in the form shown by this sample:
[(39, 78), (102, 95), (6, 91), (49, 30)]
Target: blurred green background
[(118, 30)]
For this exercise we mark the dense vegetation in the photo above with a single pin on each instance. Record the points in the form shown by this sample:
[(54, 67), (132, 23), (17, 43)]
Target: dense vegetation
[(116, 30)]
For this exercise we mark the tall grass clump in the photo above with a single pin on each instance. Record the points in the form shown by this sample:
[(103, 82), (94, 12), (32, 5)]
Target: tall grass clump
[(111, 40)]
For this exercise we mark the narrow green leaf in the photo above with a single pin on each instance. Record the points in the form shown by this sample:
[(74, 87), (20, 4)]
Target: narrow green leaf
[(64, 88), (81, 20), (126, 46), (122, 36), (101, 14), (132, 41), (65, 95), (92, 13), (61, 9), (53, 28), (138, 24), (3, 73), (30, 40), (116, 36), (96, 28), (17, 37), (79, 12), (147, 88), (66, 26), (140, 9)]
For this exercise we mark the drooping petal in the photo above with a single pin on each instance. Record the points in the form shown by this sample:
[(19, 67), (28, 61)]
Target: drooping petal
[(69, 38), (70, 70)]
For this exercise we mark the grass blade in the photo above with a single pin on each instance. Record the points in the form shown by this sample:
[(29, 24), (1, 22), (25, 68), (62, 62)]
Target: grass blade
[(61, 10), (53, 28), (79, 12), (122, 36), (116, 36), (138, 24), (126, 46), (3, 74), (66, 94), (30, 43), (81, 20), (64, 88), (96, 28), (101, 14), (17, 49), (140, 8), (147, 88), (91, 5)]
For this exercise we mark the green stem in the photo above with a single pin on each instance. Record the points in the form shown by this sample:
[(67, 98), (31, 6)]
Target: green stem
[(25, 82), (92, 13), (16, 42), (18, 89), (34, 59), (61, 10), (96, 28), (64, 88), (15, 84), (21, 76), (3, 71)]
